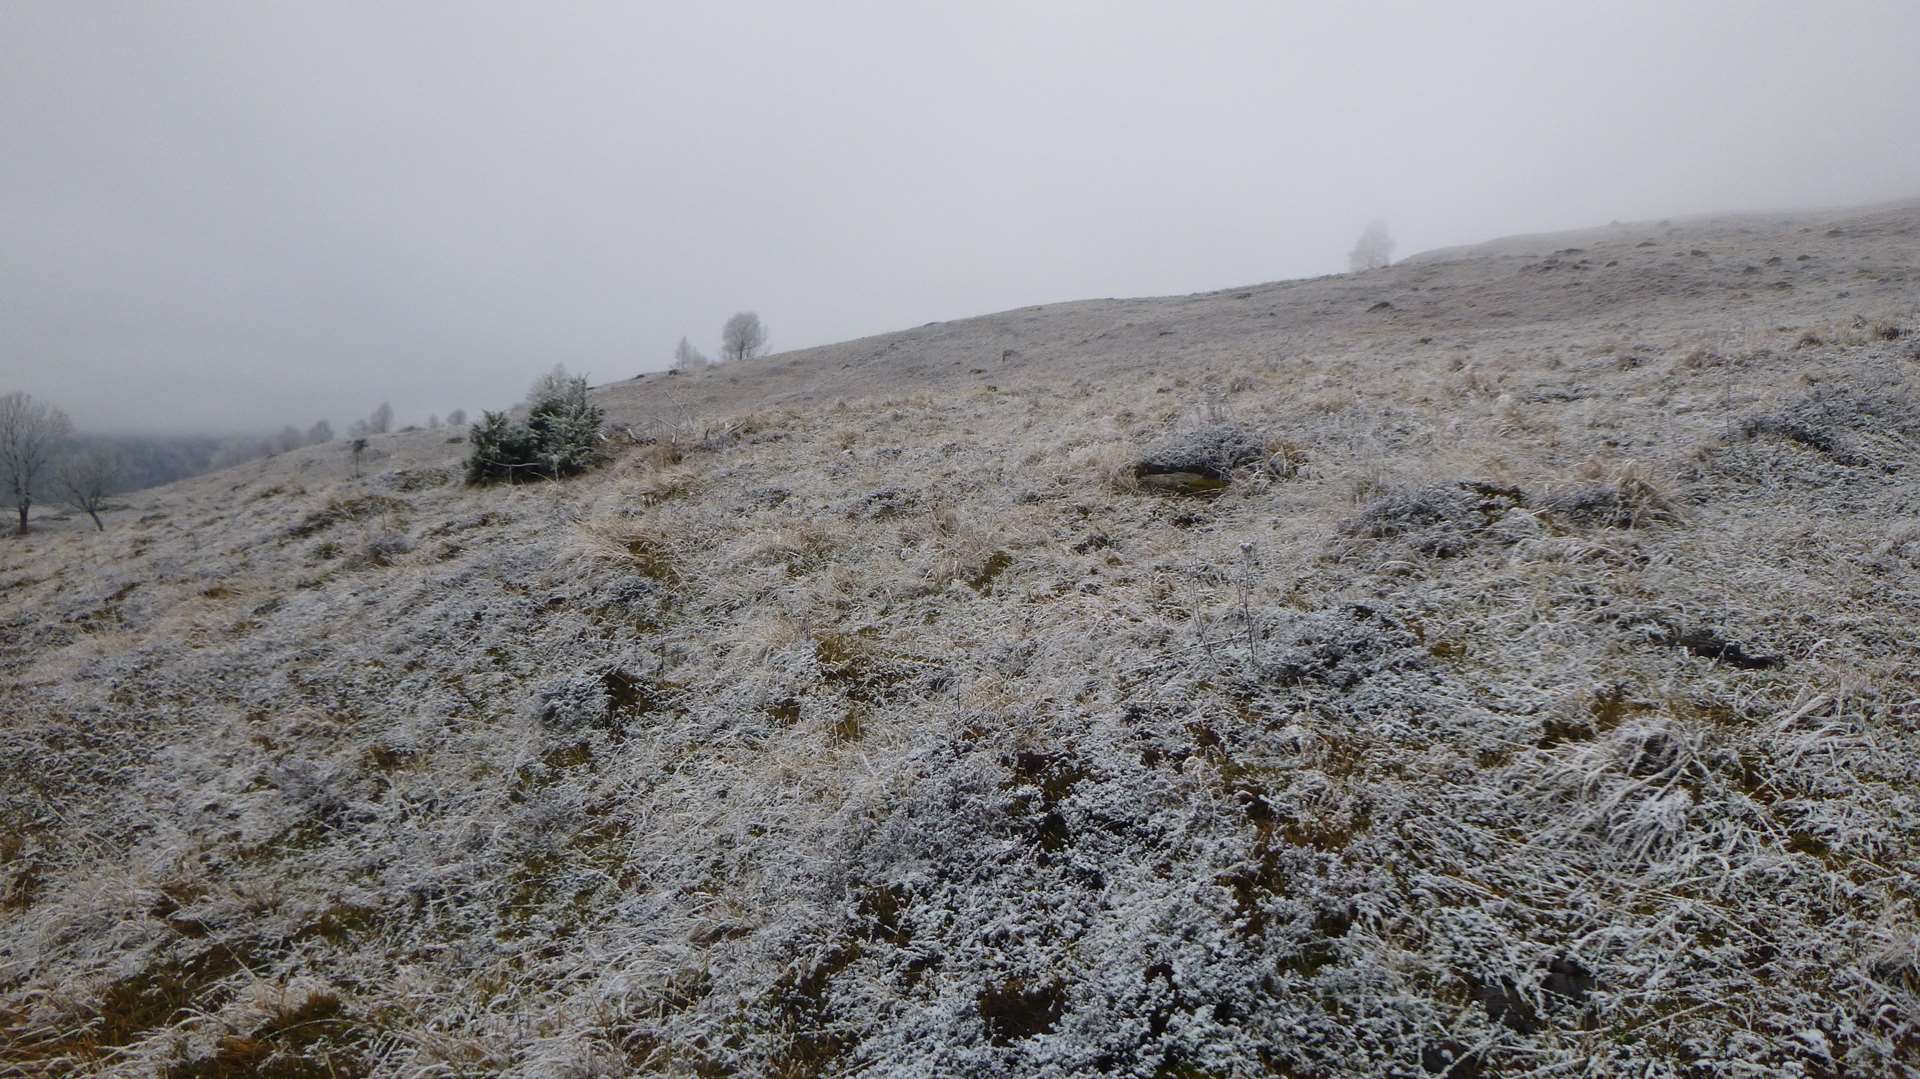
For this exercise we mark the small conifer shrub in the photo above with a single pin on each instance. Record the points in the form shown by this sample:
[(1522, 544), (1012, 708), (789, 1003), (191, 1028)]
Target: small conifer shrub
[(561, 435)]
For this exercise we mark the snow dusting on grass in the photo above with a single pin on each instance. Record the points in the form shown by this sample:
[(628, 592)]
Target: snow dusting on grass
[(1519, 686)]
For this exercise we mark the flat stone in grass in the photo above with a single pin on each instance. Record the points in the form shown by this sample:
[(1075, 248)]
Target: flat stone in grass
[(1199, 461)]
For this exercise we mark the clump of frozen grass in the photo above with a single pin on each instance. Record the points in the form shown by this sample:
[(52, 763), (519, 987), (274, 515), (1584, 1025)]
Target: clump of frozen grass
[(1899, 543), (1442, 520), (414, 479), (1893, 946), (382, 547), (350, 509), (573, 702), (1832, 419), (1340, 647), (1625, 499), (1632, 787)]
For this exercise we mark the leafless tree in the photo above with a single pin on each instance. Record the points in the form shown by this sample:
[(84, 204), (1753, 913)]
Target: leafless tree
[(457, 418), (30, 435), (433, 422), (743, 337), (319, 432), (553, 385), (688, 358), (88, 477), (382, 419), (1373, 250), (288, 440)]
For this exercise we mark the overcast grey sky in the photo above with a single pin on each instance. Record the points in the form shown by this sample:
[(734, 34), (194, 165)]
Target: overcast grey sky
[(242, 214)]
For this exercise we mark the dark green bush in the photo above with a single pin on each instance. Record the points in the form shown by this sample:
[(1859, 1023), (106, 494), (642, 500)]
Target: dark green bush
[(561, 436)]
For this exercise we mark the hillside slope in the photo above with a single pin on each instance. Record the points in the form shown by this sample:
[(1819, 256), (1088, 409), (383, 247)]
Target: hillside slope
[(1537, 694)]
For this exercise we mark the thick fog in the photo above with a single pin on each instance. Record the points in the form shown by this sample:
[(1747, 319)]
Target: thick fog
[(237, 215)]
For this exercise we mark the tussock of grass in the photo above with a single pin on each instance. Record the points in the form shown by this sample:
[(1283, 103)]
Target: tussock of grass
[(340, 510), (1442, 520)]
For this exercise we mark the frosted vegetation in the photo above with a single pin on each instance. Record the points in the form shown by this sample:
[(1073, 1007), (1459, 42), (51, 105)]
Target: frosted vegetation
[(560, 436), (1519, 690)]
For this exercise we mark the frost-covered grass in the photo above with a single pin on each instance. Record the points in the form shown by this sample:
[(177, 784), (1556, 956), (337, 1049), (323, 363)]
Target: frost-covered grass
[(902, 731)]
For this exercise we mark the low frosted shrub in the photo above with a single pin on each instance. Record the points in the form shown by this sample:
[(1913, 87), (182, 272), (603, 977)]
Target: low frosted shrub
[(561, 436)]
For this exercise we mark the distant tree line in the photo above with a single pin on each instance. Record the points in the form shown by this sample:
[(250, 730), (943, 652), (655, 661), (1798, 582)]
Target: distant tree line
[(44, 461)]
